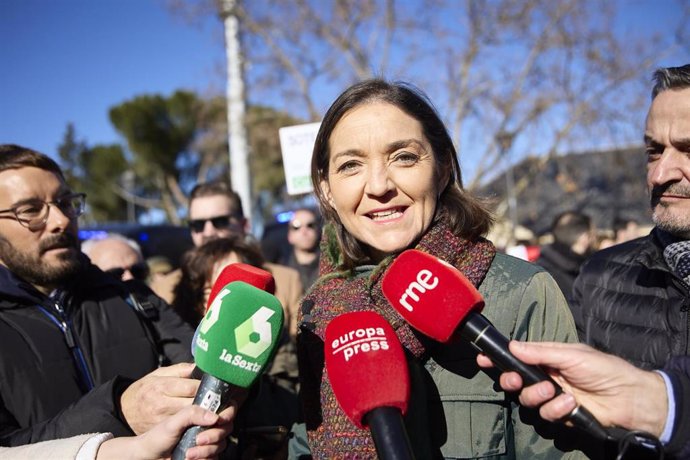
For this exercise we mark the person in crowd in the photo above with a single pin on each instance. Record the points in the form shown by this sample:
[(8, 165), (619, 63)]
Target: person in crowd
[(158, 266), (215, 211), (625, 229), (387, 178), (270, 413), (616, 392), (201, 267), (632, 299), (117, 255), (304, 235), (574, 239), (75, 356), (157, 443)]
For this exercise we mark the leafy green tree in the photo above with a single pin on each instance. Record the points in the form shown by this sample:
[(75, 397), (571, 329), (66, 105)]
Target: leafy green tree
[(159, 133), (265, 158), (107, 198), (95, 171)]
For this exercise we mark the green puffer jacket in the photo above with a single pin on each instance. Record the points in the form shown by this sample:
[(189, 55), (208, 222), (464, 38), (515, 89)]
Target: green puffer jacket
[(456, 410)]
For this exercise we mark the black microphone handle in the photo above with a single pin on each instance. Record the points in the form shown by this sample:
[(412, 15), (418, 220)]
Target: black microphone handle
[(486, 338), (388, 432), (213, 394)]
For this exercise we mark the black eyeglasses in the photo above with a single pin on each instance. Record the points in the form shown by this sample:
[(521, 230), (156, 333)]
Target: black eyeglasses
[(33, 213), (296, 225), (139, 271), (218, 222)]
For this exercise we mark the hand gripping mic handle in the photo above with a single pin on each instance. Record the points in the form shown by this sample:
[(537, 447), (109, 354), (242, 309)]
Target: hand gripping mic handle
[(389, 434), (213, 394), (486, 338)]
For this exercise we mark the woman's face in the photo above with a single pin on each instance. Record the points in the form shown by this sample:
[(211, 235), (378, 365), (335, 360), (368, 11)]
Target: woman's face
[(381, 177)]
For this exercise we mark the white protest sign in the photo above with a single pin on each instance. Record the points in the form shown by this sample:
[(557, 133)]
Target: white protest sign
[(296, 145)]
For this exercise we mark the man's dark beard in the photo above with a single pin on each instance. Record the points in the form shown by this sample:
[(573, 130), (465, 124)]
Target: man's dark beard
[(31, 268)]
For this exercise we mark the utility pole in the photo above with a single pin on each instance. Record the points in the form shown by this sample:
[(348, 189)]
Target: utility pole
[(235, 94), (128, 185)]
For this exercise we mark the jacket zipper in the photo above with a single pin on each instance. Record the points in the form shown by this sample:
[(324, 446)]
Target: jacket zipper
[(64, 325)]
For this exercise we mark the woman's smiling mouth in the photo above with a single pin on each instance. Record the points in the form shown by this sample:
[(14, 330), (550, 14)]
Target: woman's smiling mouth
[(386, 214)]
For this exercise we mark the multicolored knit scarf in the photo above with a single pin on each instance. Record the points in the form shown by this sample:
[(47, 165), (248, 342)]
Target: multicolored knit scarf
[(331, 434)]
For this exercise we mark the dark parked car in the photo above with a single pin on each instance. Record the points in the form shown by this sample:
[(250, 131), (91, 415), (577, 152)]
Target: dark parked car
[(166, 240)]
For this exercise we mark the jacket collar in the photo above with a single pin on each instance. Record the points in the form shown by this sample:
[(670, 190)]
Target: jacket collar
[(14, 290), (651, 253)]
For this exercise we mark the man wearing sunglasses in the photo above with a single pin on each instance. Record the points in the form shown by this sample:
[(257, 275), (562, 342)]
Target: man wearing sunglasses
[(304, 235), (118, 256), (215, 211), (71, 346)]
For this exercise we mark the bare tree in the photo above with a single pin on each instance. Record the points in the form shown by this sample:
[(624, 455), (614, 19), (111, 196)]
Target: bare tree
[(512, 78)]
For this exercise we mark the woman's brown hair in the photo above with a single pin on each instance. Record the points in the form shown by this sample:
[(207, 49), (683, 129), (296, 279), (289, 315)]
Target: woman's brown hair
[(197, 270), (468, 216)]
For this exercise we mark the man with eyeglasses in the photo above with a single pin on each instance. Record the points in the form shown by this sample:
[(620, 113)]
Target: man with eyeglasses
[(71, 346), (304, 235)]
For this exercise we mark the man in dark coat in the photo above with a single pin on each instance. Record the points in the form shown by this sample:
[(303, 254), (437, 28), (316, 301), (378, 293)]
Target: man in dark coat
[(77, 346), (304, 235), (632, 299)]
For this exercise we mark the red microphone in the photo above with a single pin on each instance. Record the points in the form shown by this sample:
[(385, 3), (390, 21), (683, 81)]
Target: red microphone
[(254, 276), (366, 366), (435, 298)]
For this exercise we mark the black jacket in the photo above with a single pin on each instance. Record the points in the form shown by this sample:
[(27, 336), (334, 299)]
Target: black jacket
[(44, 382), (627, 302), (562, 264)]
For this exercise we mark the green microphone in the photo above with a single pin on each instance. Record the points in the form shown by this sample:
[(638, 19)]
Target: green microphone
[(237, 339)]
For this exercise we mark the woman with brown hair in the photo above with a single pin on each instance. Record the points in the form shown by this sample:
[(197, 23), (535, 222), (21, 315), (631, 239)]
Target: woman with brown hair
[(387, 178), (200, 268)]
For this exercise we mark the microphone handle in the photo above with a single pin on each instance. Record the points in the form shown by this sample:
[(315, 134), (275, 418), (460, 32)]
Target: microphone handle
[(388, 432), (213, 394), (486, 338)]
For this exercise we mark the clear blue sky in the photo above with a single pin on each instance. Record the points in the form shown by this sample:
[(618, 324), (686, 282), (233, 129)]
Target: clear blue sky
[(71, 60)]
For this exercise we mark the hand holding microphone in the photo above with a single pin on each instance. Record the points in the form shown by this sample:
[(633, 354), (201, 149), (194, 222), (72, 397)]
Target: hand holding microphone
[(368, 372), (234, 342), (436, 299)]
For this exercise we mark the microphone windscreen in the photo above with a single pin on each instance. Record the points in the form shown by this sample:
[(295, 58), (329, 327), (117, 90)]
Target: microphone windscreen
[(431, 295), (366, 364), (239, 334), (242, 272)]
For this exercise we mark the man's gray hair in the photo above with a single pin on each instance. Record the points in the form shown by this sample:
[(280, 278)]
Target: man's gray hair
[(667, 78), (87, 246)]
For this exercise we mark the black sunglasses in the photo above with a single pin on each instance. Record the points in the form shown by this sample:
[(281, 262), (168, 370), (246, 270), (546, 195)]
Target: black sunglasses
[(218, 222), (139, 271), (297, 225)]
